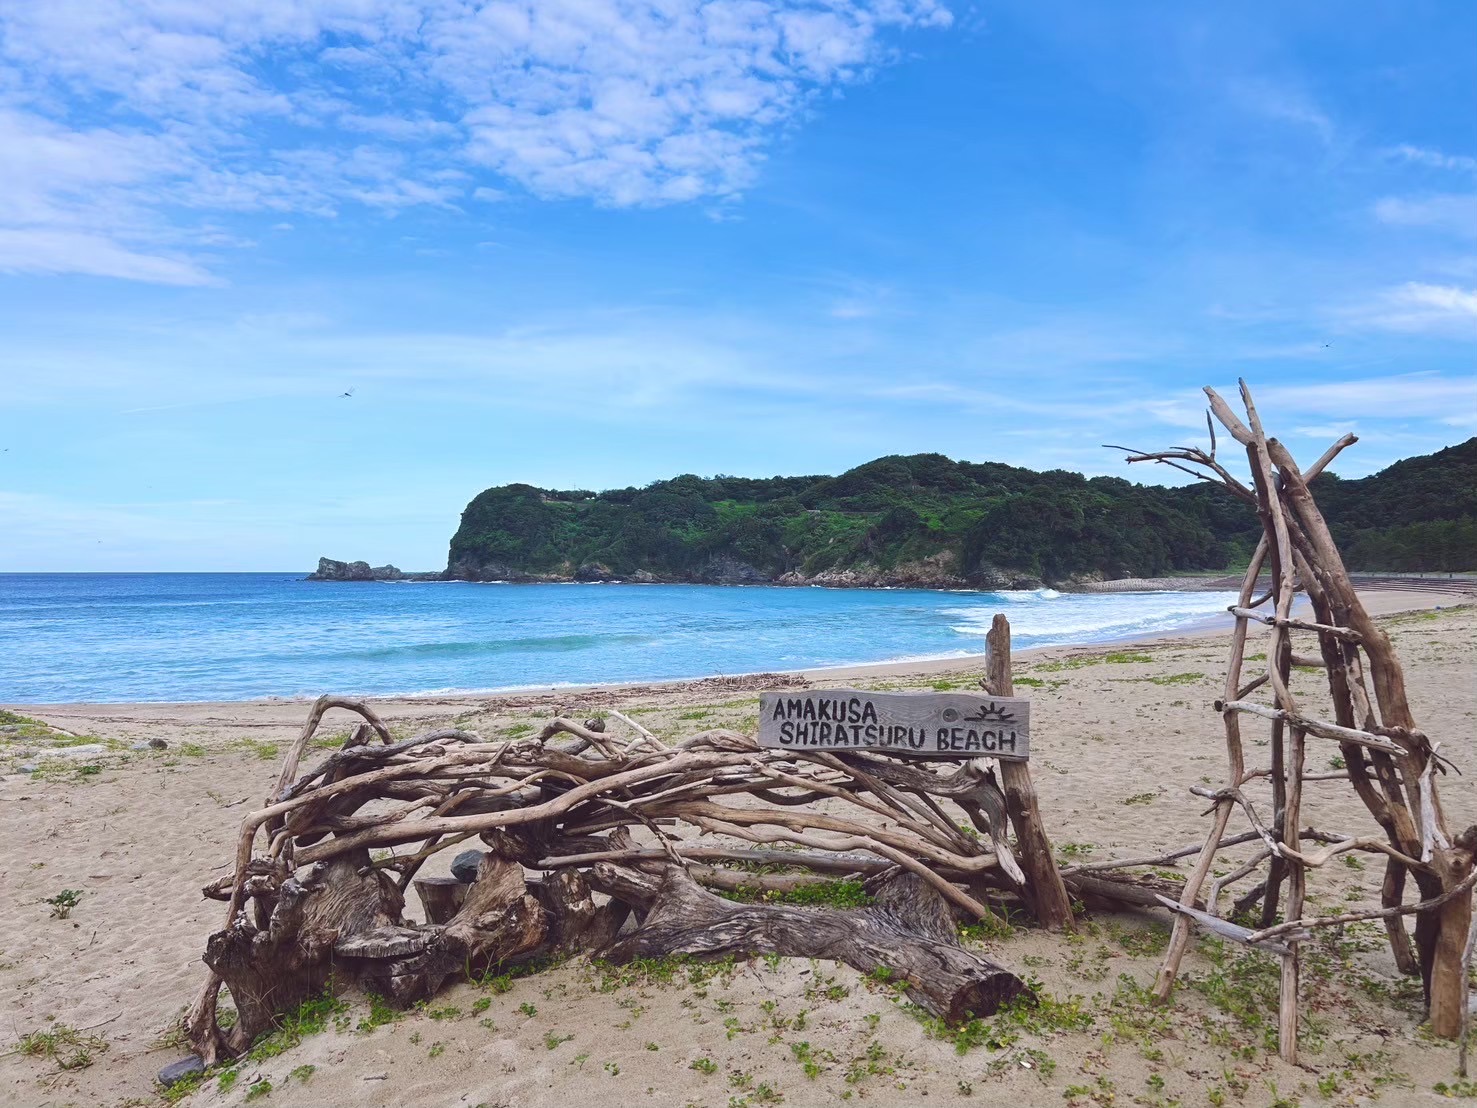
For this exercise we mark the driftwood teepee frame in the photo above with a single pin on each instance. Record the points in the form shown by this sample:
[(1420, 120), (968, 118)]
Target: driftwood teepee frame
[(1388, 762)]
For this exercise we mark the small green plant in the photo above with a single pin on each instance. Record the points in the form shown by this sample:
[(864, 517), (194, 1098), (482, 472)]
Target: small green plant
[(705, 1066), (528, 1009), (612, 1068), (258, 1090), (552, 1039), (308, 1018), (810, 1059), (1139, 798), (437, 1049), (302, 1073), (380, 1013), (69, 1048), (63, 902)]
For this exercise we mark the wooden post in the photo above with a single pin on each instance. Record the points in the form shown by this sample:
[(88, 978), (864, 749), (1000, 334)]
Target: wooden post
[(1048, 893)]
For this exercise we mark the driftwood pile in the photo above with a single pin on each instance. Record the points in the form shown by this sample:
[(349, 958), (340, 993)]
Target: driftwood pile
[(610, 846), (598, 844), (1387, 761)]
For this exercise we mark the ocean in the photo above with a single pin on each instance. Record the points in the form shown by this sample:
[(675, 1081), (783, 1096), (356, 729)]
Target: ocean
[(237, 636)]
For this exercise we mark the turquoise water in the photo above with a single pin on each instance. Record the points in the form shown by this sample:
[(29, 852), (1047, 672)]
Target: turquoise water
[(238, 636)]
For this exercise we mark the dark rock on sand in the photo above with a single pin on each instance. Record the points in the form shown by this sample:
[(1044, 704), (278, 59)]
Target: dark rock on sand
[(464, 866), (176, 1072)]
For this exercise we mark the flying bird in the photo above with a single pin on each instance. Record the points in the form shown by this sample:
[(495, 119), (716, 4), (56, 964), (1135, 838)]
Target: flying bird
[(347, 394)]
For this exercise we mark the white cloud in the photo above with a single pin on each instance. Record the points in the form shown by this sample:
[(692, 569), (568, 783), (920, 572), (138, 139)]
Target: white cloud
[(308, 105), (1435, 159), (40, 250), (1452, 212), (1419, 307), (1405, 396), (1285, 104)]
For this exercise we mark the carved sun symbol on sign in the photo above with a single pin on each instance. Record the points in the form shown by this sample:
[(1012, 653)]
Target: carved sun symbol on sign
[(992, 713)]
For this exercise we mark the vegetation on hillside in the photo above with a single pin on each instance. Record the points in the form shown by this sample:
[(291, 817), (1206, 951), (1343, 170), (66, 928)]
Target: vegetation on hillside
[(924, 516)]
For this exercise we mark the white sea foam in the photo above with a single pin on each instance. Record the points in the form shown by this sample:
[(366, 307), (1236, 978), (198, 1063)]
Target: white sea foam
[(1046, 617)]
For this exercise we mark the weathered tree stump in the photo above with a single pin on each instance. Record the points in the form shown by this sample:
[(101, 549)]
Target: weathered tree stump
[(441, 897), (907, 935)]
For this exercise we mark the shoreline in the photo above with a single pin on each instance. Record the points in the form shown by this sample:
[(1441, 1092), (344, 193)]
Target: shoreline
[(285, 713)]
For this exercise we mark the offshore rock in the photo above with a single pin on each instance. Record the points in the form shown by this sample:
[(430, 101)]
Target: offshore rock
[(331, 569)]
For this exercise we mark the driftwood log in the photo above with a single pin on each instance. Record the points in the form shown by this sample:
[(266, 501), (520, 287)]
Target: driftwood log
[(908, 933), (612, 846)]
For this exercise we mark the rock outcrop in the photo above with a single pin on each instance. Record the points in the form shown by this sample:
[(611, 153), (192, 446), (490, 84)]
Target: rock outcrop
[(330, 569)]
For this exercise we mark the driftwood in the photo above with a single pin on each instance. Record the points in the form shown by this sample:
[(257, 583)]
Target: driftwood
[(608, 845), (1389, 762), (907, 934)]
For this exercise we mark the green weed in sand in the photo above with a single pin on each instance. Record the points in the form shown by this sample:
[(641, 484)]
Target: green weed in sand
[(63, 902), (820, 894), (64, 1045)]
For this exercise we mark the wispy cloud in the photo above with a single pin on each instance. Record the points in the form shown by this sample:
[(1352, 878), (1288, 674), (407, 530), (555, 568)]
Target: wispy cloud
[(1419, 307), (116, 116), (1285, 103), (1435, 159), (1455, 213), (1452, 400)]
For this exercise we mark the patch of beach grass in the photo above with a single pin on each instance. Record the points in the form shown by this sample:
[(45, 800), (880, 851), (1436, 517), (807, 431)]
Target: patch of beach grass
[(259, 747), (64, 1045), (840, 893)]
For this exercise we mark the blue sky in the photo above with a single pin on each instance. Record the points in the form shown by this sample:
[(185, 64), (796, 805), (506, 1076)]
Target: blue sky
[(592, 243)]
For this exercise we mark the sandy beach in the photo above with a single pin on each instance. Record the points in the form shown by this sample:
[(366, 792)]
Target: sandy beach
[(1120, 732)]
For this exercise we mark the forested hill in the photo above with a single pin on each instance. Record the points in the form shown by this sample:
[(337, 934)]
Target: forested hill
[(924, 519)]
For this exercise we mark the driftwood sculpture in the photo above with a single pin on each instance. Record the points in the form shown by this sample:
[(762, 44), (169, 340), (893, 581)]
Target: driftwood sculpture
[(591, 843), (1387, 761)]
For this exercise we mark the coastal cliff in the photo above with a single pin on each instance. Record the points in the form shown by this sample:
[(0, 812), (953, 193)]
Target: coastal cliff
[(925, 521), (919, 521), (929, 522)]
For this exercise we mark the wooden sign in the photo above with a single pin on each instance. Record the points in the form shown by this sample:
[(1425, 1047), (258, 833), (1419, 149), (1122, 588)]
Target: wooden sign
[(938, 725)]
